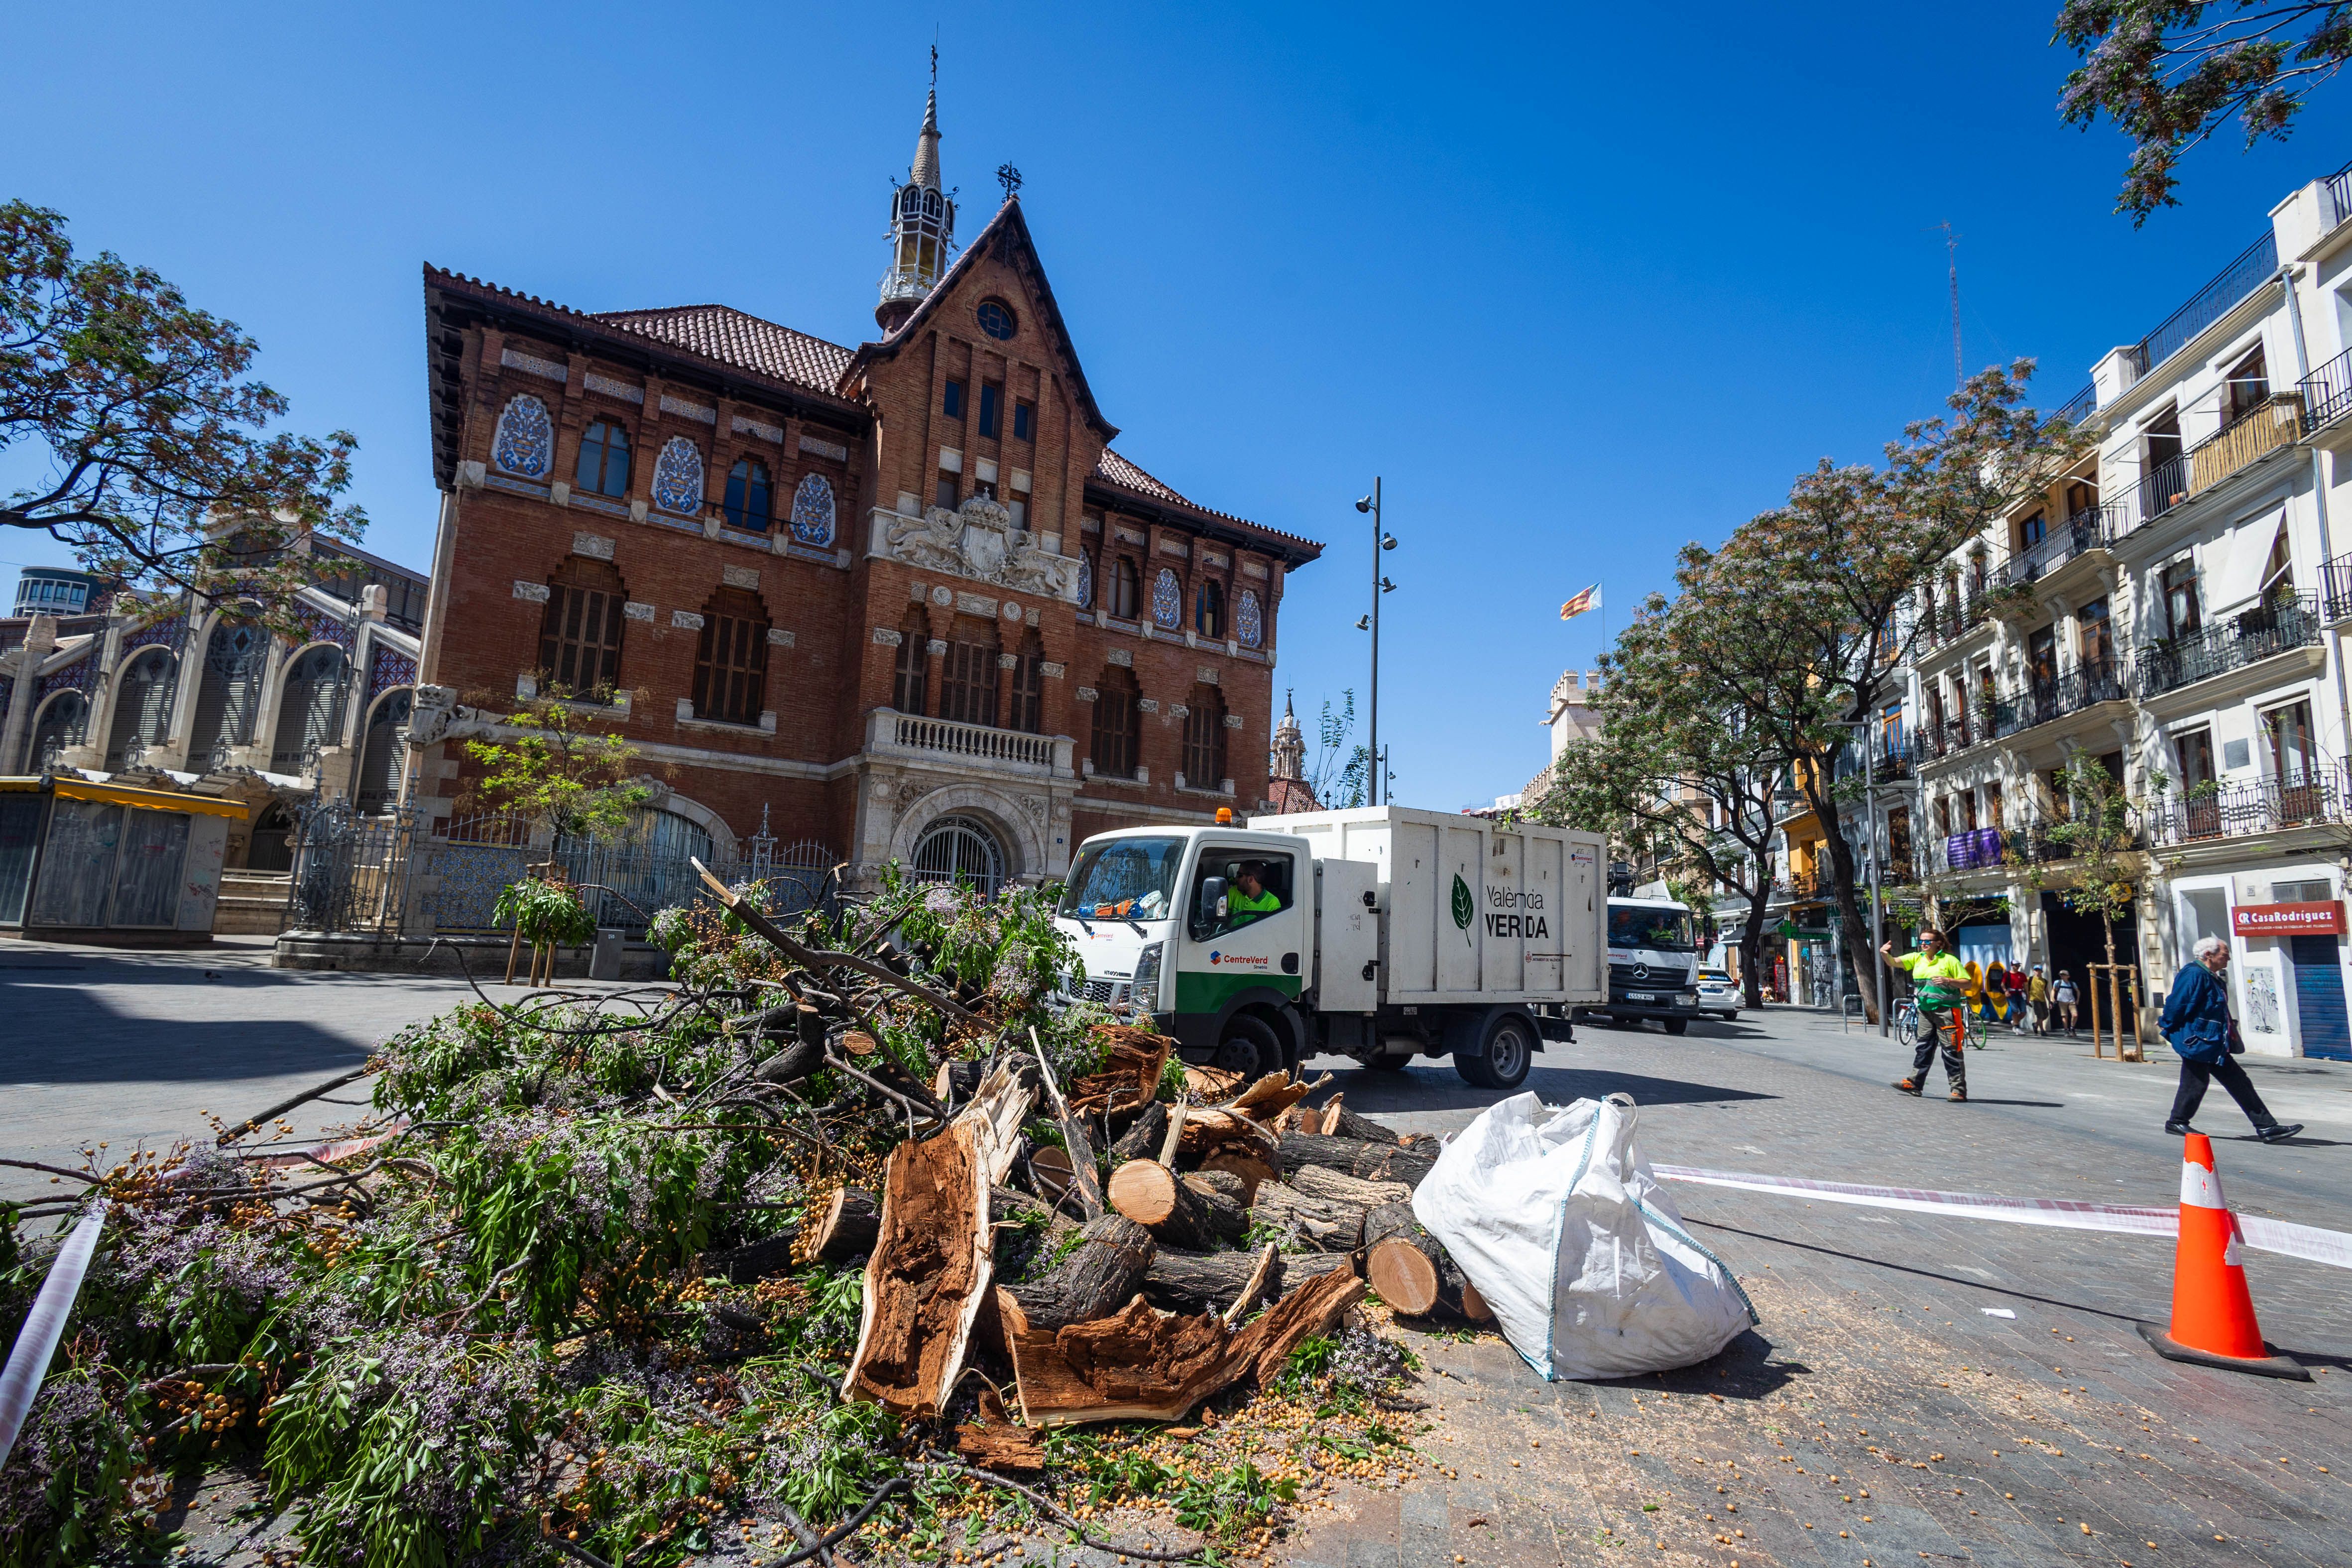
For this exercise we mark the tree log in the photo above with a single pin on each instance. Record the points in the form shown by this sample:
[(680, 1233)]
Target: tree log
[(1322, 1182), (1100, 1276), (753, 1260), (1474, 1305), (1408, 1266), (1338, 1121), (1202, 1282), (1297, 1267), (1141, 1139), (846, 1226), (1323, 1224), (1197, 1219), (991, 1441), (1234, 1185), (1355, 1157)]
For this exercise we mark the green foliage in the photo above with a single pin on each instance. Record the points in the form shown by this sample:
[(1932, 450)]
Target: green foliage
[(146, 432), (1226, 1504), (1173, 1085), (544, 912), (558, 773)]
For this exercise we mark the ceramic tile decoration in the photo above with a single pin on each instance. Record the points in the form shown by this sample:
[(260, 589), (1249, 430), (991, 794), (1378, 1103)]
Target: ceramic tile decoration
[(1249, 625), (515, 359), (1166, 599), (1085, 579), (813, 512), (677, 477), (833, 449), (526, 439), (389, 668)]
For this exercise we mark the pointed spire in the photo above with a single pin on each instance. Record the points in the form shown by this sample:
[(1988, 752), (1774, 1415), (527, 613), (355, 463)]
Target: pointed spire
[(925, 173), (922, 222)]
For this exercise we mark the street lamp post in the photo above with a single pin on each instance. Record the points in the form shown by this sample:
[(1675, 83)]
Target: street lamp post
[(1376, 763)]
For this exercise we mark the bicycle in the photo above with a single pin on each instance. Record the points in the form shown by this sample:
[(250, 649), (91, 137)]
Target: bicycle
[(1907, 1023)]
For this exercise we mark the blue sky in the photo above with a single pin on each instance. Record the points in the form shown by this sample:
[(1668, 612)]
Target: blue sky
[(1581, 285)]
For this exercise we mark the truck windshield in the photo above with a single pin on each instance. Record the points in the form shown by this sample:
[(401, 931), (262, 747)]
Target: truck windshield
[(1668, 929), (1127, 879)]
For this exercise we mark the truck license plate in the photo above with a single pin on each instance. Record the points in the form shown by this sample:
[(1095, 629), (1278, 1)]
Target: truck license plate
[(1641, 996)]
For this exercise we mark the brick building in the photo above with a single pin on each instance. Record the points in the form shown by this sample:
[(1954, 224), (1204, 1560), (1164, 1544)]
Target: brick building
[(902, 598)]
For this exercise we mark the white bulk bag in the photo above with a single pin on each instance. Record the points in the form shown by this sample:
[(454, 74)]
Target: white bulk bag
[(1580, 1254)]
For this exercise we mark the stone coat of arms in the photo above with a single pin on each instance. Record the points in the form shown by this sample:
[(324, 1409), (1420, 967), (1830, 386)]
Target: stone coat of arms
[(977, 541)]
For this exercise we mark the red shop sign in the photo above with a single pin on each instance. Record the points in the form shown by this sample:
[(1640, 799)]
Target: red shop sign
[(2288, 919)]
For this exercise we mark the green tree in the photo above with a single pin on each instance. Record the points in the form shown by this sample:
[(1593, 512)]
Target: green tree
[(1341, 771), (2100, 835), (160, 474), (2171, 73), (552, 769)]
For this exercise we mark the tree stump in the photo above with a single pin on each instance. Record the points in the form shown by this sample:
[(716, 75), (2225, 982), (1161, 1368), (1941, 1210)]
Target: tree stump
[(1095, 1281), (1141, 1139), (846, 1228), (1368, 1161), (1194, 1282)]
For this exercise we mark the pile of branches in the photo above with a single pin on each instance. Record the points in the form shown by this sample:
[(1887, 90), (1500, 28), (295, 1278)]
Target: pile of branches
[(772, 1256)]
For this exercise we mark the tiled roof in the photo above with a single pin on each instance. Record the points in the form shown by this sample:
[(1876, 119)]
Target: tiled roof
[(732, 337), (1117, 470)]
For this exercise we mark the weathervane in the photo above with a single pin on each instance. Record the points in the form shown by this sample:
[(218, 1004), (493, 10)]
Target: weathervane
[(1010, 178)]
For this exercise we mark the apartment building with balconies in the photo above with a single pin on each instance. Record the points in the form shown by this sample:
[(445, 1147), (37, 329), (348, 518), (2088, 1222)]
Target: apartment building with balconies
[(2171, 608)]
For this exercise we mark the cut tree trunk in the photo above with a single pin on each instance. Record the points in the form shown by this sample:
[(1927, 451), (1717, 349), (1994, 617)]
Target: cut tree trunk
[(1297, 1267), (1141, 1139), (755, 1260), (1325, 1225), (846, 1226), (1269, 1097), (1143, 1364), (1368, 1161), (930, 1273), (1202, 1282), (1197, 1219), (1407, 1267), (1099, 1276), (1338, 1121), (1322, 1182)]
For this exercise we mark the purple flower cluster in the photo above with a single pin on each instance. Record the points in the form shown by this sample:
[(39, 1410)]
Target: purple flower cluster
[(73, 1436)]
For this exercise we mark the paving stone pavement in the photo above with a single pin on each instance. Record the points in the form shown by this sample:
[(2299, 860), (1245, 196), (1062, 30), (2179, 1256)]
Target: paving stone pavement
[(1878, 1415)]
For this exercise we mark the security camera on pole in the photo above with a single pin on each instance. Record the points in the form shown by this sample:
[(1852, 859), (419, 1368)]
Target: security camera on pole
[(1376, 769)]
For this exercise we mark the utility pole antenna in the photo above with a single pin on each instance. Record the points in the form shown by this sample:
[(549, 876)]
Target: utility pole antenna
[(1952, 253)]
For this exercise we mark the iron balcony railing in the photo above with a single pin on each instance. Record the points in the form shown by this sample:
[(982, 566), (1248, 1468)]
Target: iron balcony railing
[(2268, 806), (1950, 618), (2275, 422), (2084, 686), (2340, 195), (2335, 587), (2079, 407), (2093, 528), (2233, 644), (1889, 757), (2246, 272), (2327, 391), (1972, 849), (1949, 738)]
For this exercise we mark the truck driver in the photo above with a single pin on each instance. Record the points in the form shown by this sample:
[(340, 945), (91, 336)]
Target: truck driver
[(1251, 899)]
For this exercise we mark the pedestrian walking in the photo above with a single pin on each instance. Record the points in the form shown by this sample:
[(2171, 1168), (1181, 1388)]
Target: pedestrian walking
[(2062, 994), (2037, 996), (2197, 1024), (1942, 980)]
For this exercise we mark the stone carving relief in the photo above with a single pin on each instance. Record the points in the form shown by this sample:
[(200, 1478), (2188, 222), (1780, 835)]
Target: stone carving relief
[(979, 541)]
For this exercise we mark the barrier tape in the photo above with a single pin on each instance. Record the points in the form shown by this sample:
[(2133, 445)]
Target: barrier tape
[(2307, 1242), (37, 1342)]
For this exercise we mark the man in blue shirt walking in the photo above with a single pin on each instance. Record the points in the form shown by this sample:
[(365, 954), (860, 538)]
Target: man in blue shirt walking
[(2197, 1024)]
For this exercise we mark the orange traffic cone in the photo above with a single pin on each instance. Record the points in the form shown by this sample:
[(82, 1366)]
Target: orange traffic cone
[(2212, 1312)]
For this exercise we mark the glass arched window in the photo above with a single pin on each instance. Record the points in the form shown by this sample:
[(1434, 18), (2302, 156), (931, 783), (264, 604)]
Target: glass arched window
[(670, 836), (143, 703), (747, 495), (1118, 737), (604, 465), (59, 726), (382, 756), (228, 698), (306, 713), (1127, 591), (960, 850), (730, 662), (1209, 610), (579, 634), (1204, 738)]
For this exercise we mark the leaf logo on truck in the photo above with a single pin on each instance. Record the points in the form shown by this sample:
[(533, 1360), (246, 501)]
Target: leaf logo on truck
[(1463, 907)]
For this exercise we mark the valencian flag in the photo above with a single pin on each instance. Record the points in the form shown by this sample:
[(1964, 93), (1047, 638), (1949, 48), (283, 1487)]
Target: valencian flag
[(1588, 600)]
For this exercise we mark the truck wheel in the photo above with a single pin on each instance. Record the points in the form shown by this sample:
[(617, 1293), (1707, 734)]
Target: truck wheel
[(1391, 1063), (1510, 1053), (1250, 1048), (1675, 1026)]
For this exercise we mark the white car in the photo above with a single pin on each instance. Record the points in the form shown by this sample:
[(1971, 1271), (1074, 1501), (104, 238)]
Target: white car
[(1719, 994)]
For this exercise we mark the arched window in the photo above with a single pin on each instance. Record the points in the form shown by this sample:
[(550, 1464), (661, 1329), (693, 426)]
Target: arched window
[(1166, 600), (910, 687), (1116, 729), (813, 512), (1028, 714), (747, 495), (604, 465), (228, 696), (730, 663), (968, 687), (1204, 738), (579, 634), (1209, 610), (1249, 624), (960, 850), (59, 726), (382, 757), (677, 477), (142, 702), (307, 713), (670, 836), (270, 847), (1127, 591), (525, 442)]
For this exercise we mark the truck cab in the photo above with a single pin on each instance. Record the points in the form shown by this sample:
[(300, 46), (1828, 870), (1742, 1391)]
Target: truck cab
[(1653, 964)]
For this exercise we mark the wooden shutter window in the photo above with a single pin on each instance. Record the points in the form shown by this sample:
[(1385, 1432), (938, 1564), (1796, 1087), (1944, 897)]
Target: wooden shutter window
[(731, 663), (579, 634)]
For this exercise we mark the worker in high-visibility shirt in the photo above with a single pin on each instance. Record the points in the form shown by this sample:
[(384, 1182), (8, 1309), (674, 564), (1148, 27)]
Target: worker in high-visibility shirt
[(1942, 980), (1250, 898)]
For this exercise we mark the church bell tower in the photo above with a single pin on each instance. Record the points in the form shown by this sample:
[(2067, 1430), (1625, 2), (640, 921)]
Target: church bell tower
[(922, 223)]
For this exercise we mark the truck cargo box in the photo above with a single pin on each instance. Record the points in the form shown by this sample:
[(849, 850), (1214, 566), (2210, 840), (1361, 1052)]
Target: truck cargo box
[(1474, 912)]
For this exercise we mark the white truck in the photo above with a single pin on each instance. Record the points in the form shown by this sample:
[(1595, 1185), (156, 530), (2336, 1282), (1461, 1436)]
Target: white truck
[(1381, 933), (1652, 965)]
